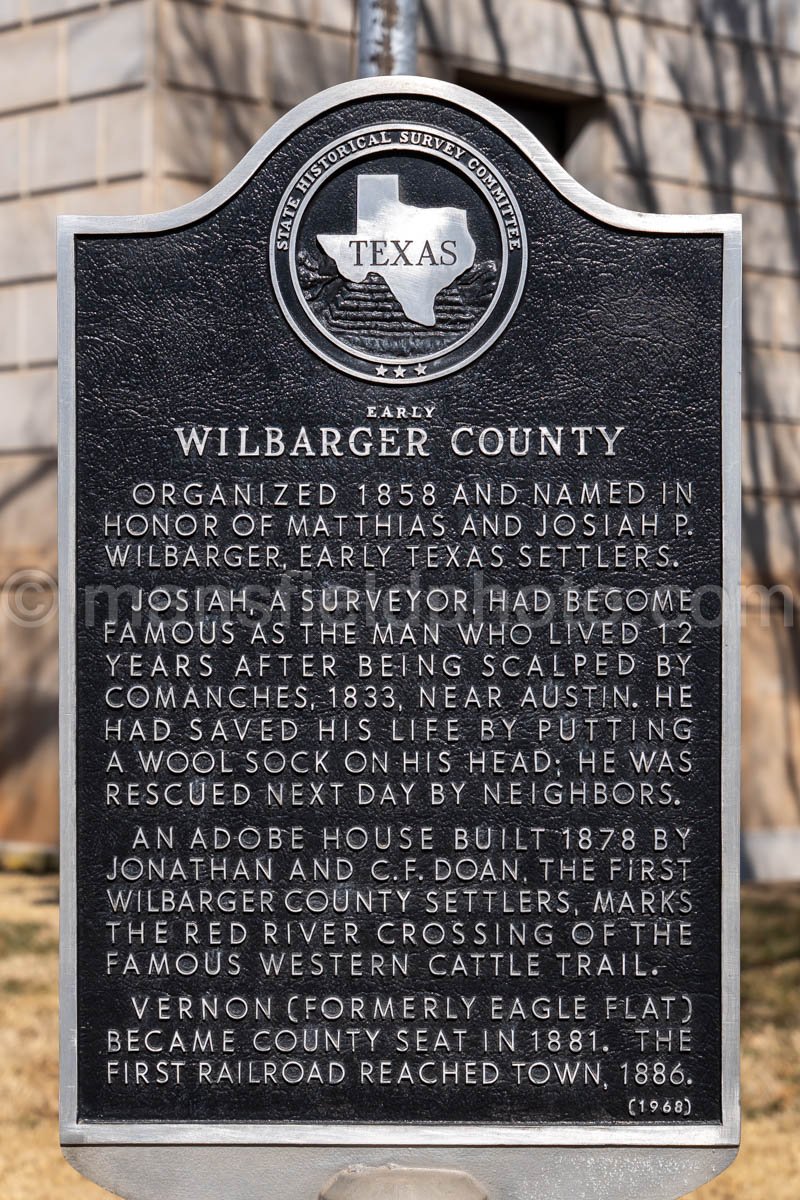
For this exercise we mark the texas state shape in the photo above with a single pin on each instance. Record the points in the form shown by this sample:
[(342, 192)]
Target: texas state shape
[(417, 251)]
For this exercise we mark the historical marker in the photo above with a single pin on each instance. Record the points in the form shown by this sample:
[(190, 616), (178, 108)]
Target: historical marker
[(399, 560)]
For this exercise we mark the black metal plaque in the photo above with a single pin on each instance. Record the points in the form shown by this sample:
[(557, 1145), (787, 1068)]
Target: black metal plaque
[(398, 477)]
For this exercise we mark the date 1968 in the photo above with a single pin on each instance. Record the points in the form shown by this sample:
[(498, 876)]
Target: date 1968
[(681, 1107)]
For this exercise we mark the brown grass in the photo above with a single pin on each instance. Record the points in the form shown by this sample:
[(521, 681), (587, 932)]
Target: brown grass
[(31, 1166), (768, 1166)]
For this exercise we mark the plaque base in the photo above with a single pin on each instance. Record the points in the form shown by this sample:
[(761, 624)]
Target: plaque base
[(309, 1172), (393, 1182)]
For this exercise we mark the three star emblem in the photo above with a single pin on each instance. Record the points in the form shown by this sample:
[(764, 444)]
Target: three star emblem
[(400, 372)]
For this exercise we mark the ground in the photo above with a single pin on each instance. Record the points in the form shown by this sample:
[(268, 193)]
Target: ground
[(31, 1167)]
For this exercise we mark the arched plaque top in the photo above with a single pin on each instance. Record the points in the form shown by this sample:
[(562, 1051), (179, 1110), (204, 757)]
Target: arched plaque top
[(410, 86)]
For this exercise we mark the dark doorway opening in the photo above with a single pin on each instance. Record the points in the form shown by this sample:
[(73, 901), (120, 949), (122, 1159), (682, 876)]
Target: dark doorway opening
[(555, 118)]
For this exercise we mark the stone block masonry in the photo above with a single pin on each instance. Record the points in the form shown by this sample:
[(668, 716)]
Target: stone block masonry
[(141, 105)]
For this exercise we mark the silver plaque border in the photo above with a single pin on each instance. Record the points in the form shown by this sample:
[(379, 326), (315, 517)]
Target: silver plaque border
[(728, 226)]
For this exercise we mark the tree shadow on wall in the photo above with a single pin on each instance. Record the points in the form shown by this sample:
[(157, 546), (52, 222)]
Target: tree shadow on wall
[(719, 71), (729, 64), (252, 72), (733, 77)]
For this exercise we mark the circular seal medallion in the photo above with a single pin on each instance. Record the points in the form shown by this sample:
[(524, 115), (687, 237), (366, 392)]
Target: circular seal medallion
[(398, 253)]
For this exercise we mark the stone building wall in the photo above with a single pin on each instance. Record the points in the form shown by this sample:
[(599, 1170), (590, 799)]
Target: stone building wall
[(663, 105)]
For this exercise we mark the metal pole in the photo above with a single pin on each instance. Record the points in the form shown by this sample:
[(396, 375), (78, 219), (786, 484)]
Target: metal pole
[(387, 37)]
